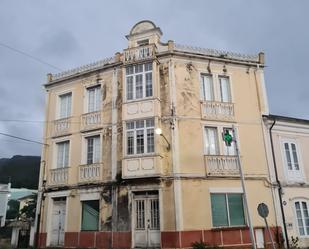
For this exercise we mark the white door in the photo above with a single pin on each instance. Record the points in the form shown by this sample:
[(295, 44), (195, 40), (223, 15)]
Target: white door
[(146, 218), (58, 220)]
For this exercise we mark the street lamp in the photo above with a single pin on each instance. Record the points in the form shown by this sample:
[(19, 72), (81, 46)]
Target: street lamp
[(159, 132)]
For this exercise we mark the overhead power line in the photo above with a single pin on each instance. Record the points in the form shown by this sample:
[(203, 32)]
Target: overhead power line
[(20, 138), (29, 55)]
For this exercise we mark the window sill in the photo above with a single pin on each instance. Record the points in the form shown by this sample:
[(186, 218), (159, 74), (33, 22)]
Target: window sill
[(141, 99), (141, 155), (242, 227)]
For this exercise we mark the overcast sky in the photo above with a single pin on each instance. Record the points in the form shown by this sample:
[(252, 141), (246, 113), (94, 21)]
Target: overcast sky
[(70, 33)]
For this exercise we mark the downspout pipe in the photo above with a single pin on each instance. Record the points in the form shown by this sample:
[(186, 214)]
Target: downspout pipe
[(279, 184)]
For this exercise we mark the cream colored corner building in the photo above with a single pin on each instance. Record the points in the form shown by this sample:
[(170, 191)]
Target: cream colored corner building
[(109, 181), (287, 145)]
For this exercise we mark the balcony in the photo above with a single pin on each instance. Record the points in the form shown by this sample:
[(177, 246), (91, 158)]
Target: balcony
[(212, 110), (91, 120), (137, 54), (61, 126), (92, 173), (141, 166), (220, 165), (59, 176)]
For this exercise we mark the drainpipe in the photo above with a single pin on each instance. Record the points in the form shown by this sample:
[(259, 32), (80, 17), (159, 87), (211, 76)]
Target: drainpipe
[(279, 184)]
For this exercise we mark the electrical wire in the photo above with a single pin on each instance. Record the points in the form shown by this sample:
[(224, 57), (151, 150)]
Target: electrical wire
[(30, 56), (20, 138)]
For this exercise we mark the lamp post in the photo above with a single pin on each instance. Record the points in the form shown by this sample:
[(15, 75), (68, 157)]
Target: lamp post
[(159, 132)]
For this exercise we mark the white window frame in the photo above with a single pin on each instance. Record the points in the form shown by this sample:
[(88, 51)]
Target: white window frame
[(58, 111), (216, 75), (292, 175), (203, 88), (145, 128), (84, 145), (220, 142), (64, 154), (94, 149), (134, 74), (220, 91), (88, 88), (54, 152), (227, 191), (302, 213)]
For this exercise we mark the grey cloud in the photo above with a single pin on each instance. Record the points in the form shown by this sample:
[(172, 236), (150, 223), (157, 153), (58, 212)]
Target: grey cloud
[(76, 32)]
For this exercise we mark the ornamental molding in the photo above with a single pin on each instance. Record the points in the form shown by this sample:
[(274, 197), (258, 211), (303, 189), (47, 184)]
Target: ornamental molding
[(216, 53), (88, 67)]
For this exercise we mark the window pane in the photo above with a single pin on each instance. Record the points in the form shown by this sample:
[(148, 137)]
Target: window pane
[(150, 122), (207, 88), (90, 215), (65, 105), (139, 68), (236, 210), (150, 140), (91, 99), (229, 150), (140, 141), (63, 154), (295, 158), (140, 124), (288, 155), (225, 89), (218, 210), (299, 219), (306, 217), (148, 84), (98, 99), (130, 142), (129, 70), (148, 67), (211, 141), (129, 87), (138, 86), (130, 125), (96, 150), (90, 150)]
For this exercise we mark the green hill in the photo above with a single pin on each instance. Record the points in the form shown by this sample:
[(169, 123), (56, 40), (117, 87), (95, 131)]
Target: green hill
[(23, 171)]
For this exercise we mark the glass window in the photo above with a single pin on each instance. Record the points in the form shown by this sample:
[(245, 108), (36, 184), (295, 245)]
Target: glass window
[(292, 160), (211, 141), (227, 210), (139, 81), (302, 216), (93, 149), (65, 105), (94, 98), (229, 150), (140, 136), (90, 215), (63, 154), (207, 91), (225, 89)]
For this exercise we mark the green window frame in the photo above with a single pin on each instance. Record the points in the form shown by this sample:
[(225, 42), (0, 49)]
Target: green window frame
[(90, 215), (227, 210)]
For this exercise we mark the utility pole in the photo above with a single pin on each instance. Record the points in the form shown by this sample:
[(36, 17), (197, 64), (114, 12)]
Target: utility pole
[(226, 137)]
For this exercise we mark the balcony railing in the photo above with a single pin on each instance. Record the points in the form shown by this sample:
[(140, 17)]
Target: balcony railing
[(59, 176), (141, 53), (91, 120), (62, 126), (90, 172), (217, 165), (217, 110)]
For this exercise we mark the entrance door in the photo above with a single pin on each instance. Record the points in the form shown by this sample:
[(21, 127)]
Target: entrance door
[(58, 220), (146, 221)]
